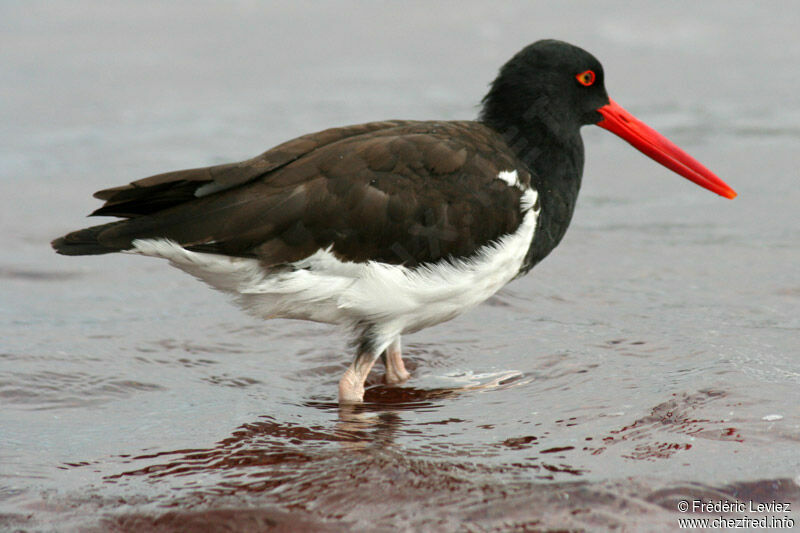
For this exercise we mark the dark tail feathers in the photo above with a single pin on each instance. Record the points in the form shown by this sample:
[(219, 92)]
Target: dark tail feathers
[(85, 241)]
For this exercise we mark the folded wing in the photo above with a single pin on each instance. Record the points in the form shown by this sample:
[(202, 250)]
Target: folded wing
[(385, 191)]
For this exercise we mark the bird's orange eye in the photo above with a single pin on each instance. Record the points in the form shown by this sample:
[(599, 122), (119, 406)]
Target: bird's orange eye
[(586, 77)]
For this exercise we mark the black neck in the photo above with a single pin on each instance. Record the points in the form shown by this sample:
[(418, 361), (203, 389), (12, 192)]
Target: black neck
[(554, 157)]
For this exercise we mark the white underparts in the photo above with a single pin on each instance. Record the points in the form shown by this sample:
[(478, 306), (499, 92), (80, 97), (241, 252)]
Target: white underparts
[(394, 299)]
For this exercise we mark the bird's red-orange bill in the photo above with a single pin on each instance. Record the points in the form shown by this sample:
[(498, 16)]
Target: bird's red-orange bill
[(654, 145)]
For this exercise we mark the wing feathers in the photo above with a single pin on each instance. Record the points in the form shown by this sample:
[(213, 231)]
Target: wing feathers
[(408, 192)]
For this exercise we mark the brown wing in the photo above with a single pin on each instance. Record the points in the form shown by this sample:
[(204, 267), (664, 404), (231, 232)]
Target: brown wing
[(397, 192), (161, 191)]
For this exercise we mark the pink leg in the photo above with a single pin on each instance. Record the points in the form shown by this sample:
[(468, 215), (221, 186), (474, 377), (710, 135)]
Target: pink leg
[(395, 368), (351, 386)]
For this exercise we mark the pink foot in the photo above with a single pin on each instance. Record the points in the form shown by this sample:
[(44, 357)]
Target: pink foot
[(396, 372)]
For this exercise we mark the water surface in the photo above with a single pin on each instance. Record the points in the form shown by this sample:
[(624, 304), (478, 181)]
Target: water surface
[(652, 358)]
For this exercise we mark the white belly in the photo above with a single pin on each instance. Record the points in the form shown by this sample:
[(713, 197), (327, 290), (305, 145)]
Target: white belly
[(394, 298)]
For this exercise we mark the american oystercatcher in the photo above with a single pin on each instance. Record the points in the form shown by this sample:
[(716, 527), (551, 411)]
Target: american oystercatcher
[(390, 227)]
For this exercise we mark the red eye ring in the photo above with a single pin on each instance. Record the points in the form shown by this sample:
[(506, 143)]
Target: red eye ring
[(586, 78)]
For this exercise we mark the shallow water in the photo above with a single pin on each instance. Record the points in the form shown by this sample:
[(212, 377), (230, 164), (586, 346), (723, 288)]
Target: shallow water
[(652, 358)]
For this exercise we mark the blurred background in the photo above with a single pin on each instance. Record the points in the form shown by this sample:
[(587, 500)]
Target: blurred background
[(652, 358)]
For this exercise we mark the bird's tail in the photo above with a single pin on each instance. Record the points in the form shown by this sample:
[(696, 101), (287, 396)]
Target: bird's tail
[(85, 241)]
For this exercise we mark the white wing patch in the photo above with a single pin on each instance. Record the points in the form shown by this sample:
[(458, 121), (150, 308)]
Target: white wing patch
[(510, 177), (394, 298)]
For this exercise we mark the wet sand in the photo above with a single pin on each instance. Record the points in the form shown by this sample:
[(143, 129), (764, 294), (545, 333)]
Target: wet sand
[(654, 358)]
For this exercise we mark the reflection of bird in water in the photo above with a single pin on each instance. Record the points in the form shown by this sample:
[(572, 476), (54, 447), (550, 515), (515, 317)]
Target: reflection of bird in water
[(363, 429), (388, 227), (376, 423)]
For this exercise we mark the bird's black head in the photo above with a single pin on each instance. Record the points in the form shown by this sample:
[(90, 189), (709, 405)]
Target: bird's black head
[(550, 84)]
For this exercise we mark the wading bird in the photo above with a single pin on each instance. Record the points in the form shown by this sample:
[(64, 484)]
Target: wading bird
[(390, 227)]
